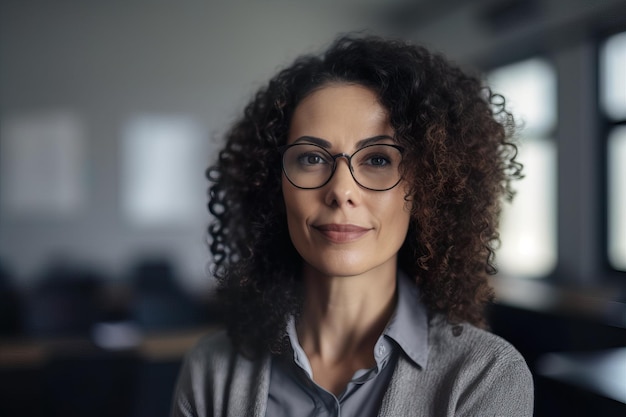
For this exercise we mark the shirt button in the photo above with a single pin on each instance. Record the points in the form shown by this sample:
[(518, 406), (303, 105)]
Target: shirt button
[(380, 350)]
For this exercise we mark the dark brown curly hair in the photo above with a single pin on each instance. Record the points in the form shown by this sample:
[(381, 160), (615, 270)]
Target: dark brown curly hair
[(459, 162)]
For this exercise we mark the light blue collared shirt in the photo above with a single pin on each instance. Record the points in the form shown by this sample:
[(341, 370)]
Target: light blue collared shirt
[(293, 393)]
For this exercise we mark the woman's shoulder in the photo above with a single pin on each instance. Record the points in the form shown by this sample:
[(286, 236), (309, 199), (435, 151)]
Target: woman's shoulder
[(463, 342), (214, 346), (215, 377), (477, 372)]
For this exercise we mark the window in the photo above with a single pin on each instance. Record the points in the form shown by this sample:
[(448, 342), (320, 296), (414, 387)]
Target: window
[(617, 198), (613, 107), (42, 164), (613, 77), (528, 225), (162, 181)]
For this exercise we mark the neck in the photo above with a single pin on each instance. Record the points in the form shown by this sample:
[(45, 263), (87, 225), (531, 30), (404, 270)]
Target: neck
[(344, 316)]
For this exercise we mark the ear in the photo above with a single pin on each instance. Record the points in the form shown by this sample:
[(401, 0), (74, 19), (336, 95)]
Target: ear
[(409, 203)]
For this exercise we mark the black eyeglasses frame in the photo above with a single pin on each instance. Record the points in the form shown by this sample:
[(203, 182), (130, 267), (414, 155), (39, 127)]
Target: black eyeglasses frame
[(348, 159)]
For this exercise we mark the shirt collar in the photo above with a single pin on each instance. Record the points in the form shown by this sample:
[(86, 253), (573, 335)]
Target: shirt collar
[(299, 356), (408, 326)]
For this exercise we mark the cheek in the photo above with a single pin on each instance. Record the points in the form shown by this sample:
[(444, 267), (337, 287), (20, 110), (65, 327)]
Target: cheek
[(401, 219), (398, 214), (288, 197), (295, 205)]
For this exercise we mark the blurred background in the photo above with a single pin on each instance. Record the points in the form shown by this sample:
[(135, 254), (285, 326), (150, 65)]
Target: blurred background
[(110, 112)]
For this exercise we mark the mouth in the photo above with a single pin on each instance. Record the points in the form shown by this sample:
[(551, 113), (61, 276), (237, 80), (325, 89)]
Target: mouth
[(341, 233)]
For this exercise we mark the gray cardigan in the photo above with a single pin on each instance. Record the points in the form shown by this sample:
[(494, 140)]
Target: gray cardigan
[(473, 374)]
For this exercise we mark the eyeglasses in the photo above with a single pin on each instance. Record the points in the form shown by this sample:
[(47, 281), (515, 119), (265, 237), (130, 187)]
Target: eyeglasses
[(374, 167)]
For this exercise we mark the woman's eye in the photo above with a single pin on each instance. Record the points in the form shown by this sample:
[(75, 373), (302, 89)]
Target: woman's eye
[(378, 160), (311, 159)]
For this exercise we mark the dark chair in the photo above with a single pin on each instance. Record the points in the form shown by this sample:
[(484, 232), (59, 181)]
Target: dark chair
[(65, 302), (10, 317), (159, 303)]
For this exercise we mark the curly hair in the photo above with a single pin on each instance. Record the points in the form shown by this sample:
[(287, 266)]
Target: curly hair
[(459, 163)]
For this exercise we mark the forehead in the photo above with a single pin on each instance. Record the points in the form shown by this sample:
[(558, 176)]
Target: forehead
[(340, 114)]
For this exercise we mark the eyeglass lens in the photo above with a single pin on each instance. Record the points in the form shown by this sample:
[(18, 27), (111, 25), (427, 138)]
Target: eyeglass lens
[(376, 167)]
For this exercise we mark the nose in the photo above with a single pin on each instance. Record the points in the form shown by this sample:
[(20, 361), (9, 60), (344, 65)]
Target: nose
[(342, 189)]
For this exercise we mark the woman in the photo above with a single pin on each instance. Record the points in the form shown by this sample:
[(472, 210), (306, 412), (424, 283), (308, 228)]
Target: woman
[(356, 204)]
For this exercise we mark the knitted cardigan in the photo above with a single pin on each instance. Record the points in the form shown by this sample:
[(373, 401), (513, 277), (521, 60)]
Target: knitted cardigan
[(469, 372)]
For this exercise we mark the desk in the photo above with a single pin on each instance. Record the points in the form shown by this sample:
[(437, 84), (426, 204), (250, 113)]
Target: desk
[(601, 372), (75, 376), (157, 346)]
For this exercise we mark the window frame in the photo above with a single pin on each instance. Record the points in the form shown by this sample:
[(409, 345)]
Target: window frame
[(548, 135)]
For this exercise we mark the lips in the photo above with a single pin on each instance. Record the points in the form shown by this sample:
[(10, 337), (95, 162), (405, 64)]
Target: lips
[(341, 233)]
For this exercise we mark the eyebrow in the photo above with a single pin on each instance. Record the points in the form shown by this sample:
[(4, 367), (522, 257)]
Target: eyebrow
[(326, 144)]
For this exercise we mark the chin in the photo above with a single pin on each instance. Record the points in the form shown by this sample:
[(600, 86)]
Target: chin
[(342, 272), (340, 267)]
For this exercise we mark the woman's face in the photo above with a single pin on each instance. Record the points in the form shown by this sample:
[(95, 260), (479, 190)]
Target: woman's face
[(343, 229)]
